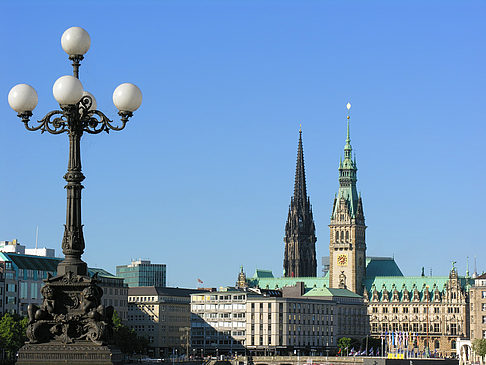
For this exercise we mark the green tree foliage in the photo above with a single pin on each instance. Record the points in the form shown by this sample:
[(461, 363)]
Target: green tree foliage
[(126, 338), (344, 344), (479, 346), (12, 333)]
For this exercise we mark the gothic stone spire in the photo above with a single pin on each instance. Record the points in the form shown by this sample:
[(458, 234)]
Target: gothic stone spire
[(300, 250)]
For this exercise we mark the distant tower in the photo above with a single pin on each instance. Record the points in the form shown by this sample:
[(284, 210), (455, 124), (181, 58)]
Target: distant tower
[(300, 238), (347, 248), (241, 283)]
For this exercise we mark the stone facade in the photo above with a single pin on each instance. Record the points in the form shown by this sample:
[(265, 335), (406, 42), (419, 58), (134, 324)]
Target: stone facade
[(433, 311)]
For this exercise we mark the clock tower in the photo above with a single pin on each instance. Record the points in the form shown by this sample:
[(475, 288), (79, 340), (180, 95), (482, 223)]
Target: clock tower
[(347, 248)]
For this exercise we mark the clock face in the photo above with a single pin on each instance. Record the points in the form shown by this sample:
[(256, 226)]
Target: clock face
[(342, 259)]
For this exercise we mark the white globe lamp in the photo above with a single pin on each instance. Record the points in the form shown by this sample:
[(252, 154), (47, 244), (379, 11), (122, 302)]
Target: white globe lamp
[(75, 41), (22, 98), (127, 97), (67, 90)]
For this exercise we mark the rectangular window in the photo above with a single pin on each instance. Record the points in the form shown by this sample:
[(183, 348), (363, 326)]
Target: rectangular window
[(415, 309), (453, 329), (436, 327), (34, 290), (395, 309), (484, 319), (405, 327), (483, 307), (483, 294), (23, 290), (405, 309)]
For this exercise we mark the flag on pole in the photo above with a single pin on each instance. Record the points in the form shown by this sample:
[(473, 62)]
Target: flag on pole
[(199, 281)]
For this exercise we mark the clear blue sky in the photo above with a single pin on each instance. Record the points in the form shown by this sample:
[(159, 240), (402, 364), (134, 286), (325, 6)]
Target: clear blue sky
[(202, 176)]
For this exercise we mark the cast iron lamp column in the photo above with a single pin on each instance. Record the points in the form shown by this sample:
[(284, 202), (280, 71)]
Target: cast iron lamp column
[(71, 311), (78, 114)]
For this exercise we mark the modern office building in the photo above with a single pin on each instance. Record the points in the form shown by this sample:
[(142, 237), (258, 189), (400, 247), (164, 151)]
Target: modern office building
[(142, 273)]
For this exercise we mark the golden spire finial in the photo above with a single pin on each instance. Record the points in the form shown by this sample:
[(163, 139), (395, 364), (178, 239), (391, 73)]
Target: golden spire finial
[(300, 128), (348, 106)]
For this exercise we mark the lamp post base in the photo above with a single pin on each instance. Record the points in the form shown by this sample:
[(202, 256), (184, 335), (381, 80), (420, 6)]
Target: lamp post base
[(57, 353)]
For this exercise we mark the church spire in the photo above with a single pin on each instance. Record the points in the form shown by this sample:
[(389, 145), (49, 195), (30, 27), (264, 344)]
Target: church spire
[(300, 250), (300, 190)]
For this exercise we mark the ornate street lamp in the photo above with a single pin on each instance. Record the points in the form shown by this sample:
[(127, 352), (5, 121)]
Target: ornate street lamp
[(71, 311)]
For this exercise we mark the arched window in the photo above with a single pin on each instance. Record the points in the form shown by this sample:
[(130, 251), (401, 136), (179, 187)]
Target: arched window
[(453, 344), (342, 235), (337, 236), (347, 236), (436, 344)]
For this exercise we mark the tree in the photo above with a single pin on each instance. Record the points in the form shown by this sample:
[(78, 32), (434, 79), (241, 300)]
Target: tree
[(12, 333), (343, 344), (479, 346), (126, 338)]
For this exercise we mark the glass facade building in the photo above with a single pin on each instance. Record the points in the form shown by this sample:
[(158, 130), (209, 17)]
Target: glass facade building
[(142, 273)]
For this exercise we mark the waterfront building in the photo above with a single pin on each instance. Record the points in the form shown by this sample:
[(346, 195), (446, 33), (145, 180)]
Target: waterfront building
[(142, 273), (275, 321), (431, 310), (300, 238), (162, 315), (477, 305)]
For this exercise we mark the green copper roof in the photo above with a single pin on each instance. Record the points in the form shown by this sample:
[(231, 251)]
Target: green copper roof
[(347, 179), (381, 266), (31, 262), (410, 283), (259, 273), (264, 279), (331, 292)]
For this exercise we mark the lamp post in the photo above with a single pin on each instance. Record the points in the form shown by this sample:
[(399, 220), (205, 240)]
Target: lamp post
[(71, 311)]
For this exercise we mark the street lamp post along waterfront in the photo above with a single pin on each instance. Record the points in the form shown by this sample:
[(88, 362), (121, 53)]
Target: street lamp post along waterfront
[(71, 311)]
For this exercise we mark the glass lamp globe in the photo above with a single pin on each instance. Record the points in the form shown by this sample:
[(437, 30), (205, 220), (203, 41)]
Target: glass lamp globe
[(22, 98), (75, 41), (94, 105), (127, 97), (67, 90)]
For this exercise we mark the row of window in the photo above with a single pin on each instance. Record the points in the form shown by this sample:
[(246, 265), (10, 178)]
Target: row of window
[(452, 328), (416, 309)]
